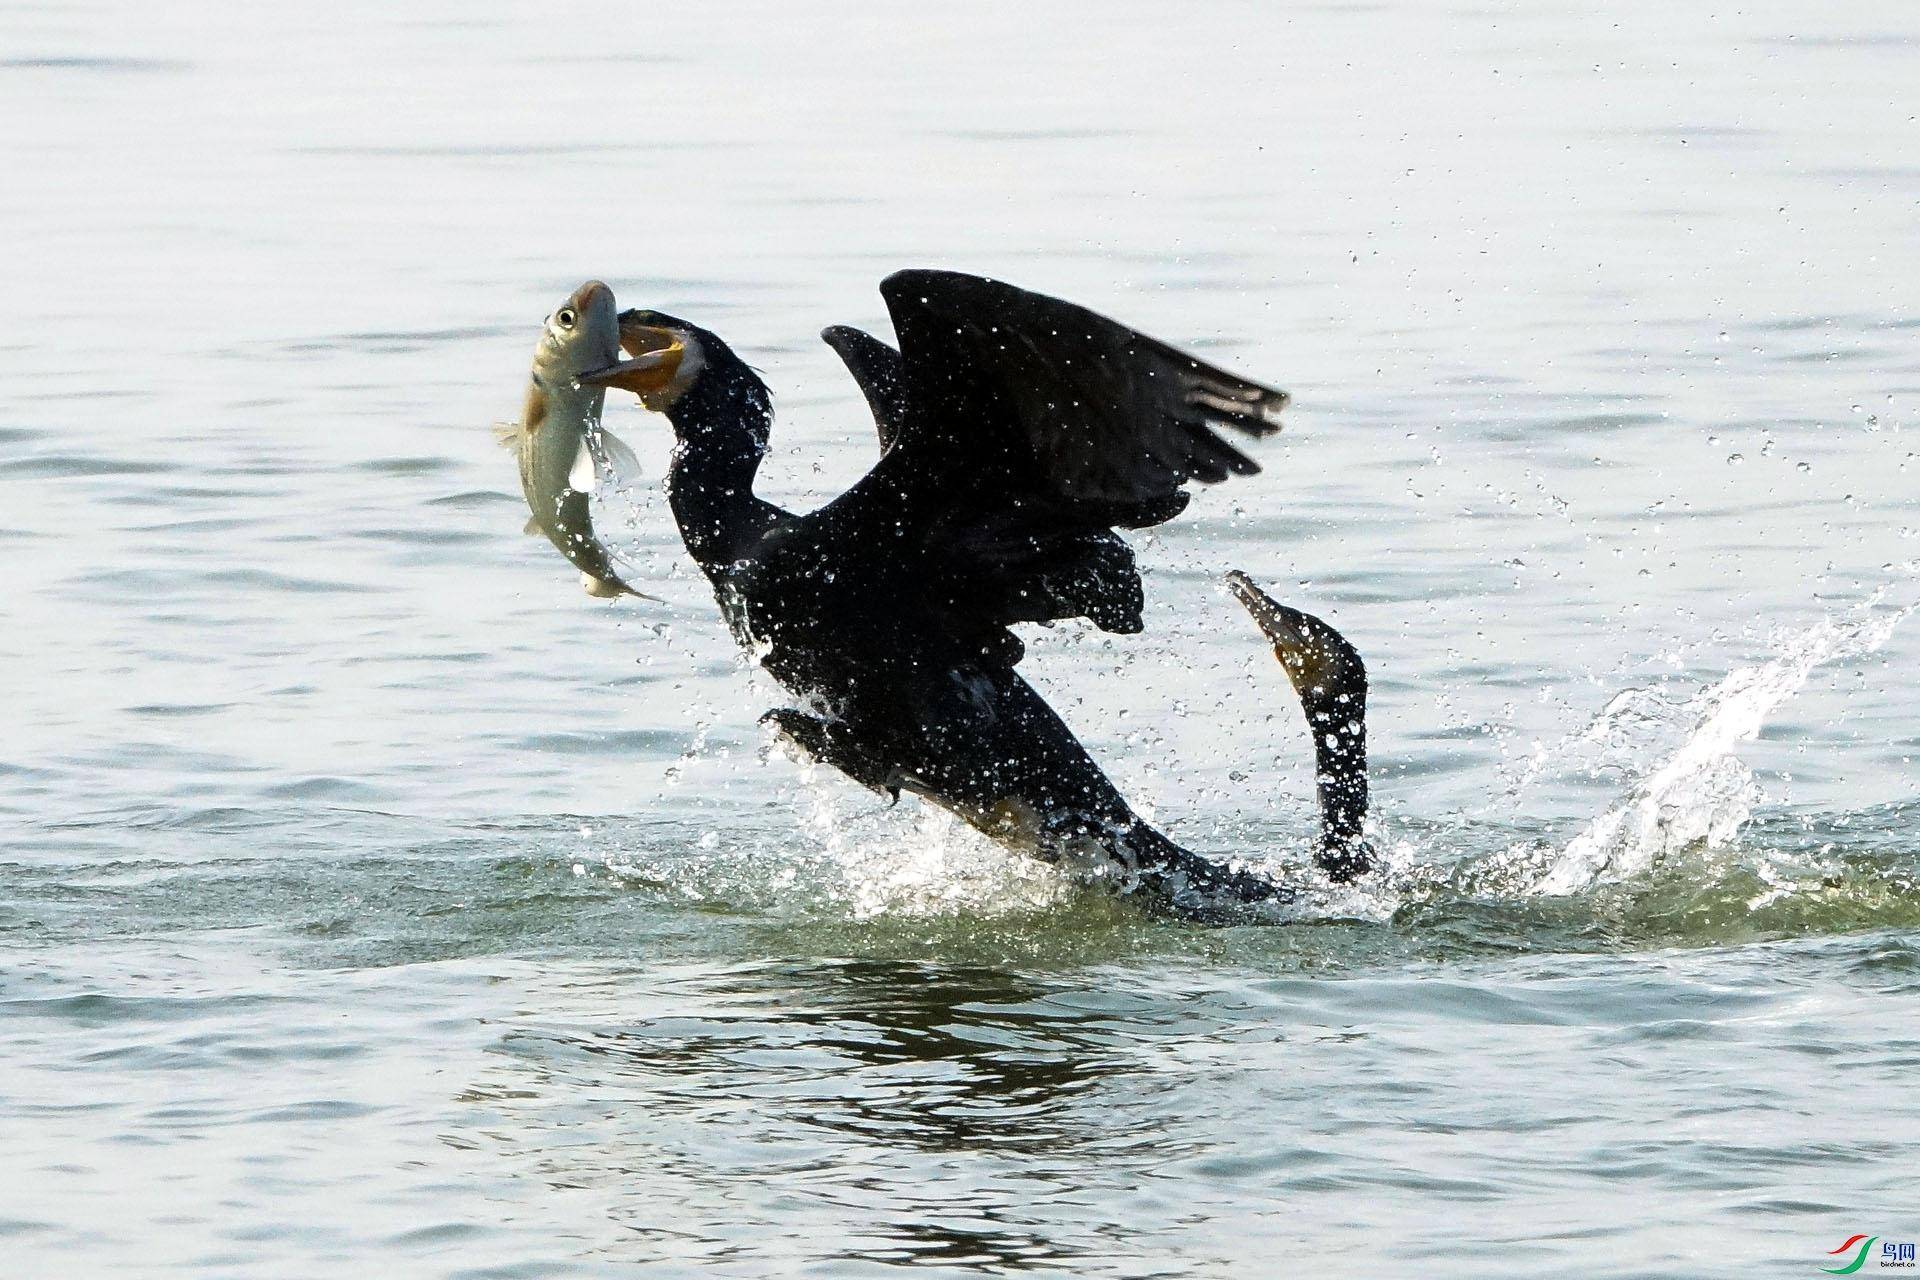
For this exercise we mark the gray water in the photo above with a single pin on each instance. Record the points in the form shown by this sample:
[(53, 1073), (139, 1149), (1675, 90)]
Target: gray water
[(374, 901)]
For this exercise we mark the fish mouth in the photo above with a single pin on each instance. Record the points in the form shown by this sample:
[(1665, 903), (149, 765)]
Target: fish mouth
[(588, 294)]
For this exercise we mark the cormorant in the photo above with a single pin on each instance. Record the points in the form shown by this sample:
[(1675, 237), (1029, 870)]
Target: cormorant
[(1019, 433)]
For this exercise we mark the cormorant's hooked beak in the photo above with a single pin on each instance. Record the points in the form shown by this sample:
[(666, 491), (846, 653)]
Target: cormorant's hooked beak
[(654, 358), (1313, 653), (643, 375)]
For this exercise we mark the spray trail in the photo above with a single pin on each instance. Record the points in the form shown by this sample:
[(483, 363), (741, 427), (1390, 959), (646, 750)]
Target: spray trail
[(1703, 793)]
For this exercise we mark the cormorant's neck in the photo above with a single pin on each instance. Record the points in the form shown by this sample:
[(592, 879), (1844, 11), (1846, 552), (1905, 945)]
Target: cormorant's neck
[(1338, 720), (722, 422), (1331, 680)]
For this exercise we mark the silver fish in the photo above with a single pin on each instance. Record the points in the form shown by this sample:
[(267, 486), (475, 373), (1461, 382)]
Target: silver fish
[(559, 442)]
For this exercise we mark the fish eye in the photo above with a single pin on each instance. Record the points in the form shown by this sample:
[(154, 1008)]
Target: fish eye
[(566, 317)]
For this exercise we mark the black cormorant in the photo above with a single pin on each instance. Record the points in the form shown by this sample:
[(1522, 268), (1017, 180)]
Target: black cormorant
[(1018, 434)]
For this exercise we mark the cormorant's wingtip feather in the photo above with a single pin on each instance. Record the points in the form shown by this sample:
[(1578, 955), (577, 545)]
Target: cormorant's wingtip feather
[(1231, 394), (1256, 425)]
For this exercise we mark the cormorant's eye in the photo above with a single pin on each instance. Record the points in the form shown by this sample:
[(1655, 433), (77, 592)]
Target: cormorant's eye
[(566, 317)]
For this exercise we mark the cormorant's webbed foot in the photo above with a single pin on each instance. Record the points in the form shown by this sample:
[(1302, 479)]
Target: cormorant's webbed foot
[(817, 740)]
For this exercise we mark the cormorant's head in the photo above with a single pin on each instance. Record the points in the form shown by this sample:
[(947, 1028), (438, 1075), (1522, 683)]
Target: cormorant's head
[(689, 374)]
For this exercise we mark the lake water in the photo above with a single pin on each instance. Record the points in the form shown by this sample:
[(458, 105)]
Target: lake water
[(376, 902)]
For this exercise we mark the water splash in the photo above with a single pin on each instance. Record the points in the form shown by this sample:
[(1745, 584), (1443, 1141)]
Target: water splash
[(918, 863), (1621, 733), (632, 519), (1703, 793), (853, 859)]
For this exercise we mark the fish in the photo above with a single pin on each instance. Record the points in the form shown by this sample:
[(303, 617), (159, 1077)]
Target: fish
[(559, 441)]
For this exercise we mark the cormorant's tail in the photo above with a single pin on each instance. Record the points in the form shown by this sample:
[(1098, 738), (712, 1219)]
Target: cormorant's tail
[(1331, 680)]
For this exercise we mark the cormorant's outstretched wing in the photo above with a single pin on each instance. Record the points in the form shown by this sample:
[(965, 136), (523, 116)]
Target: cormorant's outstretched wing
[(1028, 430), (1070, 403), (881, 374)]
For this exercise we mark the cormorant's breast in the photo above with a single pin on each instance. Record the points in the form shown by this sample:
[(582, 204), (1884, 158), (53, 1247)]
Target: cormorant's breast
[(820, 622)]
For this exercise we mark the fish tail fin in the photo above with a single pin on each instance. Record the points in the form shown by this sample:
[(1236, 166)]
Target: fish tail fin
[(611, 588), (1331, 680), (641, 595), (508, 434)]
